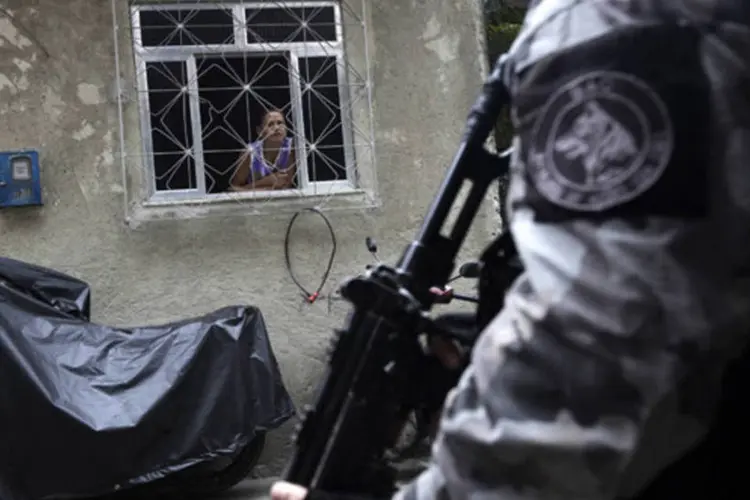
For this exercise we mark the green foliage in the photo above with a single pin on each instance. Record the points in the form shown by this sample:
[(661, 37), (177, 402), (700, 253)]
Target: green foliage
[(504, 11), (499, 39), (503, 25)]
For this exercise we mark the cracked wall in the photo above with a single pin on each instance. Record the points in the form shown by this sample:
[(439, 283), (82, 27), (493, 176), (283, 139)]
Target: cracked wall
[(56, 80)]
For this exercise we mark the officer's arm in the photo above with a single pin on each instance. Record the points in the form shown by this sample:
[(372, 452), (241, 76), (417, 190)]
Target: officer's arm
[(624, 216)]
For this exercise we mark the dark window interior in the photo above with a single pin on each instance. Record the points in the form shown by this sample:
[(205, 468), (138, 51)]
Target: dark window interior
[(322, 111), (186, 27), (279, 25), (171, 134), (230, 115)]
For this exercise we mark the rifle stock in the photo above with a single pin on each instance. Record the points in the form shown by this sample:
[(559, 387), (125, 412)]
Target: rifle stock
[(375, 374)]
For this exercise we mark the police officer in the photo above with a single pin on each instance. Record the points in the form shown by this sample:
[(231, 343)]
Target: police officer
[(630, 202)]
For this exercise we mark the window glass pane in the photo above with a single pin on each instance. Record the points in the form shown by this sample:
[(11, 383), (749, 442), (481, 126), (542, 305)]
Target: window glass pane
[(297, 24), (173, 27), (322, 113), (235, 93), (174, 171), (171, 132)]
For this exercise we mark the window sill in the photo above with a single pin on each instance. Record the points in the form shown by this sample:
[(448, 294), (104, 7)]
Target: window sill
[(249, 203)]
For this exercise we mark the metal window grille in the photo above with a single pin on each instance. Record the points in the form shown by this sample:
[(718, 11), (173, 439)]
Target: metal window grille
[(206, 73)]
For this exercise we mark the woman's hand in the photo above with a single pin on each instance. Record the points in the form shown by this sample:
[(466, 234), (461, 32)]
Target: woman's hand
[(284, 179), (287, 491)]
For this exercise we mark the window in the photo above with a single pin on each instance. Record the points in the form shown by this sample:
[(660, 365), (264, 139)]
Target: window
[(207, 75)]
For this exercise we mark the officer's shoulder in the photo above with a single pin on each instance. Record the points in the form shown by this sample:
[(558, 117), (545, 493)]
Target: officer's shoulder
[(551, 26)]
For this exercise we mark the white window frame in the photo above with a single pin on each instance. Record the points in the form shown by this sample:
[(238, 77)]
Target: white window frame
[(242, 45)]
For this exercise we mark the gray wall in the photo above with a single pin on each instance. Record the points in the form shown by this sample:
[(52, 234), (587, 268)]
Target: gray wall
[(56, 76)]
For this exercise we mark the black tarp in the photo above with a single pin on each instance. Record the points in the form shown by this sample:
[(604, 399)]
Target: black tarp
[(86, 409)]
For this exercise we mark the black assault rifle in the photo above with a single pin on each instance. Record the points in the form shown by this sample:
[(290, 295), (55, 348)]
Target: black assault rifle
[(376, 372)]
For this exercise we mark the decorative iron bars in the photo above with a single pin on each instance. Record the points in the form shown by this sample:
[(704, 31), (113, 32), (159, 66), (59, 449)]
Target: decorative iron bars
[(208, 73)]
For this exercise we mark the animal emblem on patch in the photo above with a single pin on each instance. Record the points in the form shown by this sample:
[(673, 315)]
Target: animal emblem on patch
[(600, 141), (597, 139)]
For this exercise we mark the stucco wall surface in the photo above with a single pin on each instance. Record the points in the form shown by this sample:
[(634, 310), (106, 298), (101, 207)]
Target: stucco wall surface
[(56, 79)]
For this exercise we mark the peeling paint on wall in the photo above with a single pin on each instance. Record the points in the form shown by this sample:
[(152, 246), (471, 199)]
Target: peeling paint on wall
[(10, 33), (6, 83), (19, 81), (22, 65), (395, 136), (89, 94), (84, 132), (106, 158), (52, 104), (444, 45)]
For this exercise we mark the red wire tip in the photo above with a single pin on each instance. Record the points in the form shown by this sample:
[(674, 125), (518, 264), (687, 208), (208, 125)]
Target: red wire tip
[(312, 298)]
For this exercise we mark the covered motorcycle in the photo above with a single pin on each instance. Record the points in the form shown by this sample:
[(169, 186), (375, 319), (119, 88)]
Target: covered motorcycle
[(88, 410)]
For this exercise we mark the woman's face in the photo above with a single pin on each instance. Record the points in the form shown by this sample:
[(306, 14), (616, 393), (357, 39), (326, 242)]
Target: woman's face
[(274, 126)]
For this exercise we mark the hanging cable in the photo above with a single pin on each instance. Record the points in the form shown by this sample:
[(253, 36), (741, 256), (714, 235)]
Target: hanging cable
[(310, 297)]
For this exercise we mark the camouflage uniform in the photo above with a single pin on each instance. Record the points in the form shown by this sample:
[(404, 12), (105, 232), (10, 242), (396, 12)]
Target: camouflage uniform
[(630, 204)]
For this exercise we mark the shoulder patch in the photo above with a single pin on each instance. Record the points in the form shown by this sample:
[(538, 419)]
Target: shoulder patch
[(620, 126), (601, 140)]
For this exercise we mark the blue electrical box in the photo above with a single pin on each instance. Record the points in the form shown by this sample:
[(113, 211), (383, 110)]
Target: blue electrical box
[(20, 184)]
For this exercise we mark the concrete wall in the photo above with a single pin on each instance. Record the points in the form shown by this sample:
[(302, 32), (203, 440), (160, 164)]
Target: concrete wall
[(56, 75)]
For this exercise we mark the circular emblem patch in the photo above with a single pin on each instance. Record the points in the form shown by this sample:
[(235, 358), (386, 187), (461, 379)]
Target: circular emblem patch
[(601, 140)]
